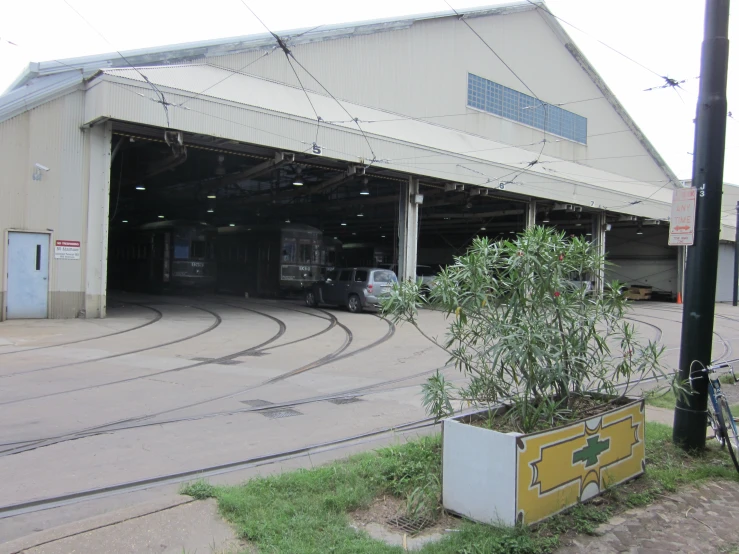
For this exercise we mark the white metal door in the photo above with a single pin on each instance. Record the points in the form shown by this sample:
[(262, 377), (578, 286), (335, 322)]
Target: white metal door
[(28, 275)]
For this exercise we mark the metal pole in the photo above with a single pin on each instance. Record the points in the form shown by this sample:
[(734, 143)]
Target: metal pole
[(736, 258), (689, 430)]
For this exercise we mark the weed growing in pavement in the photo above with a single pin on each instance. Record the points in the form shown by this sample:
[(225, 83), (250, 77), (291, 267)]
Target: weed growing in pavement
[(307, 511), (199, 489)]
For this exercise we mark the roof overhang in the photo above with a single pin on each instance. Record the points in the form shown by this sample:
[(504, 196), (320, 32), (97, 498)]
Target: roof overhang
[(257, 111)]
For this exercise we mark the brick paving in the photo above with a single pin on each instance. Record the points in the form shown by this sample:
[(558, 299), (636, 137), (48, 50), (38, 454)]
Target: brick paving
[(703, 519)]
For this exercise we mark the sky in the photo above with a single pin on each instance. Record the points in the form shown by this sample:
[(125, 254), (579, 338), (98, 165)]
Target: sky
[(662, 37)]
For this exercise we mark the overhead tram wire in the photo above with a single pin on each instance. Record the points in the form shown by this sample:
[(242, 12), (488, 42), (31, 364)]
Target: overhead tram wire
[(162, 100), (289, 54), (668, 82), (231, 74), (542, 104), (16, 45)]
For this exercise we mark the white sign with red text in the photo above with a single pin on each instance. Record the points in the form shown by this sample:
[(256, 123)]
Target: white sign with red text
[(682, 220), (67, 250)]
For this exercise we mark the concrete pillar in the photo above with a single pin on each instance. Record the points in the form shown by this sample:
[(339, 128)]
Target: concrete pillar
[(531, 214), (599, 241), (96, 243), (409, 206)]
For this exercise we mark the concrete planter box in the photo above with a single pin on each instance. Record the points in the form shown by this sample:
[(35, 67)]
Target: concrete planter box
[(500, 478)]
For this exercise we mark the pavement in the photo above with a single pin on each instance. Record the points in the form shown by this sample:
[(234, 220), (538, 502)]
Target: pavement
[(168, 385)]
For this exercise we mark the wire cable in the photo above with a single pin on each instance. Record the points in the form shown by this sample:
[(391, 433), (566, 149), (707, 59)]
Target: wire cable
[(162, 100), (233, 72), (543, 105), (289, 55)]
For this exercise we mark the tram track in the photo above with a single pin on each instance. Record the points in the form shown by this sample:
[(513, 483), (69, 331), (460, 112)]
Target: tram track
[(334, 356), (724, 342), (323, 361), (218, 320), (39, 504), (156, 318), (45, 503), (34, 444)]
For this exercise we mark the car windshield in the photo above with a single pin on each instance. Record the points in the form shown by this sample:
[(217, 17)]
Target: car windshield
[(384, 276)]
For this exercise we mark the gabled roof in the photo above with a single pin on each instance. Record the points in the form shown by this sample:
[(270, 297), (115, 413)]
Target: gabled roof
[(194, 51), (44, 80)]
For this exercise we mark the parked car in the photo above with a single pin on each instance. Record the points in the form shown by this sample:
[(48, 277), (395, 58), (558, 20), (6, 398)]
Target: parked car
[(425, 273), (356, 288), (579, 282)]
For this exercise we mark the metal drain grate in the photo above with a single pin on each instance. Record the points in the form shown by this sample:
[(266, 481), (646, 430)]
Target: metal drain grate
[(345, 400), (412, 525), (255, 354), (279, 413), (257, 403), (216, 361)]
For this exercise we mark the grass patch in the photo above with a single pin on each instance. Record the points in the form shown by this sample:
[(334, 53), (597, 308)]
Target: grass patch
[(660, 398), (306, 511)]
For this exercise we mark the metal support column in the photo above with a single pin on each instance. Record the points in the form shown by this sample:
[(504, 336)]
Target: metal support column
[(531, 214), (599, 241), (689, 429), (409, 206), (96, 243)]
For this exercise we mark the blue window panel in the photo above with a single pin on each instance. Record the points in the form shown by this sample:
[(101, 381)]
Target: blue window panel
[(494, 98), (581, 129)]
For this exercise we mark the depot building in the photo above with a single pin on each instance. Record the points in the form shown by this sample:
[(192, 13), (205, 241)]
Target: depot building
[(400, 140)]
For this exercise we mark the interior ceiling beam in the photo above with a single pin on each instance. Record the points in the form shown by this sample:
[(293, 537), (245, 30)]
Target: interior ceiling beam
[(280, 159), (352, 172)]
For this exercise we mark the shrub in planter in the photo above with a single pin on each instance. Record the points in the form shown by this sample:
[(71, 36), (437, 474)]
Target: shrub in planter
[(528, 337)]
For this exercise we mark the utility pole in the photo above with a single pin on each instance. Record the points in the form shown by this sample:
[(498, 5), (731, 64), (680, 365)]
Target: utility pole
[(689, 430), (736, 258)]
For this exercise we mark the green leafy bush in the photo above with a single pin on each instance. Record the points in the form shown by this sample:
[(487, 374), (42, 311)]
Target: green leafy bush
[(525, 332)]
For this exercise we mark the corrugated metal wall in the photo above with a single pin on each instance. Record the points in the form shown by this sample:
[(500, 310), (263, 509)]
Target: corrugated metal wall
[(49, 135), (725, 275), (644, 259), (422, 71)]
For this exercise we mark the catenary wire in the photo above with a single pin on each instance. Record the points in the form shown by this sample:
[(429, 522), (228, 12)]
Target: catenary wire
[(162, 100)]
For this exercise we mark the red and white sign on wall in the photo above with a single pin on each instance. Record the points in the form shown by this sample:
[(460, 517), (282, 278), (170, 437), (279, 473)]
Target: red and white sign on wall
[(682, 220), (67, 250)]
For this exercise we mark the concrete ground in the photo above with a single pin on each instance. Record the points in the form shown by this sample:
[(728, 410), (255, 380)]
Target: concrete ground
[(167, 385)]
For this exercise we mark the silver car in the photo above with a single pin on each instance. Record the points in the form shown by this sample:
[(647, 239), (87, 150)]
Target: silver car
[(356, 288)]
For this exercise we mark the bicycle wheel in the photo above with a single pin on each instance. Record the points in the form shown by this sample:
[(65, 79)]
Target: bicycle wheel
[(728, 433)]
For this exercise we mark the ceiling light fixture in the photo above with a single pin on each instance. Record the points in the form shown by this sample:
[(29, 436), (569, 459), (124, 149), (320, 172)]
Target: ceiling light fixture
[(287, 220), (220, 170), (212, 196), (360, 214), (232, 225), (160, 217), (141, 187), (124, 221), (483, 229), (298, 180), (210, 211), (365, 191), (639, 229), (546, 217), (343, 224)]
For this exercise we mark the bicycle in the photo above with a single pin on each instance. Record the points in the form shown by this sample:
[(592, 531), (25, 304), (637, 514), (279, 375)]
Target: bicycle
[(719, 414)]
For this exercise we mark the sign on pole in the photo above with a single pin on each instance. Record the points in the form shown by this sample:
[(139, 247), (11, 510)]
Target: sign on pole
[(682, 220), (67, 250)]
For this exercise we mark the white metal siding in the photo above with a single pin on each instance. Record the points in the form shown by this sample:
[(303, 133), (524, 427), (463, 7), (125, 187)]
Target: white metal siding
[(644, 259), (50, 135), (725, 274), (422, 71)]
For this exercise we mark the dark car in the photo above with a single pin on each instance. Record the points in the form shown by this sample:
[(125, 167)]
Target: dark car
[(356, 288)]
